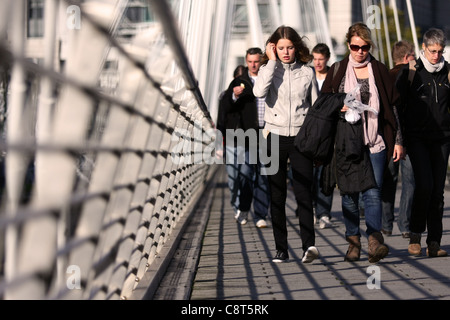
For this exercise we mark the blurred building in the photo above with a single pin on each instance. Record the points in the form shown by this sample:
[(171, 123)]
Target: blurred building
[(427, 14), (339, 15), (137, 17)]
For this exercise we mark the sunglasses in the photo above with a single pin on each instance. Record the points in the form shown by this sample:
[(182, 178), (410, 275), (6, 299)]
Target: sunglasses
[(365, 48)]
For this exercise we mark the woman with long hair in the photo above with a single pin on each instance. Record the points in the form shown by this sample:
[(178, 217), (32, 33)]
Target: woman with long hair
[(290, 88)]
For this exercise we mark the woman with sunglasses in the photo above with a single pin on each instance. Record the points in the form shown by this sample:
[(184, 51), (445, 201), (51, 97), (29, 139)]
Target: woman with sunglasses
[(426, 93), (362, 149)]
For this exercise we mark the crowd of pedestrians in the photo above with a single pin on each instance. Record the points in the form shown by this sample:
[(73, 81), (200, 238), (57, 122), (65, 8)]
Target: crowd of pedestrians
[(376, 123)]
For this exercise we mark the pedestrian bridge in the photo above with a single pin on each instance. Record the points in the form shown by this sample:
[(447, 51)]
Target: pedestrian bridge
[(220, 260), (107, 141)]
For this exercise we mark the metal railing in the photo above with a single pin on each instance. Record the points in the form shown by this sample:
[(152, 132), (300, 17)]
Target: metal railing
[(91, 193)]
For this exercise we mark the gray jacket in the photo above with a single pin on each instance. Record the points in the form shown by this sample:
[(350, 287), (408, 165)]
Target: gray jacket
[(289, 89)]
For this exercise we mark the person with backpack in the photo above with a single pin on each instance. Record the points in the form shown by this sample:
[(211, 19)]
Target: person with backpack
[(425, 90), (363, 148)]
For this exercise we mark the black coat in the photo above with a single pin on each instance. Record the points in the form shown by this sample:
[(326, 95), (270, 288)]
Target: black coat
[(426, 102), (351, 167), (240, 114), (329, 140), (316, 137), (354, 172)]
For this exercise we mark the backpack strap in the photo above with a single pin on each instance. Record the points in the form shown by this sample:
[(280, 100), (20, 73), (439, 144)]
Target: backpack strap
[(447, 65), (336, 69), (412, 71)]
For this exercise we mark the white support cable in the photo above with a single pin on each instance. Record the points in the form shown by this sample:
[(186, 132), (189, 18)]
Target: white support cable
[(5, 13), (394, 7), (380, 50), (376, 36), (254, 19), (45, 112), (206, 10), (15, 161), (291, 15), (324, 27), (276, 14), (172, 34), (412, 22), (386, 33), (195, 36), (219, 57)]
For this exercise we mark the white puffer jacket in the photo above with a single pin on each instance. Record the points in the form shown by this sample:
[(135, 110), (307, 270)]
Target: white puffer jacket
[(289, 90)]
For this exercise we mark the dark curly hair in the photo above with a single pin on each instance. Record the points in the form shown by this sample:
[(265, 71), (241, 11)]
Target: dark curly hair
[(302, 53)]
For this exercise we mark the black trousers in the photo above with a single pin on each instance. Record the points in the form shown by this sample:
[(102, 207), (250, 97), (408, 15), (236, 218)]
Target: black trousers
[(429, 160), (302, 171)]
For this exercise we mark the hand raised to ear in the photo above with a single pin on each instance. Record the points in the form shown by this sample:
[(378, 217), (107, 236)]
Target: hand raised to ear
[(271, 51)]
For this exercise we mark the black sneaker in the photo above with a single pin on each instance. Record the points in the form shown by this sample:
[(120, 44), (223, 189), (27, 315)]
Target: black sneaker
[(281, 257)]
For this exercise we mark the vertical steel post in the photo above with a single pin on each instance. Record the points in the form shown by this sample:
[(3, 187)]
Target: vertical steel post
[(219, 53), (397, 22), (386, 32), (276, 15), (413, 26), (15, 161), (255, 25), (324, 27), (290, 14)]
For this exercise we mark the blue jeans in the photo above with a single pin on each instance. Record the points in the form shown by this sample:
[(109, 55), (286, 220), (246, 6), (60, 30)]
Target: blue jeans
[(371, 199), (388, 194), (246, 183), (321, 202)]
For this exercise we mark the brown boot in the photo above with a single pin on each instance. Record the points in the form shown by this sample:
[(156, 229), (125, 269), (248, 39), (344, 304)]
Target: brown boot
[(354, 248), (414, 247), (434, 250), (377, 249)]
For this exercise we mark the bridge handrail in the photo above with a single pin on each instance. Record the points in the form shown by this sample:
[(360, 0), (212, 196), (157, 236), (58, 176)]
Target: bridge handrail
[(92, 191)]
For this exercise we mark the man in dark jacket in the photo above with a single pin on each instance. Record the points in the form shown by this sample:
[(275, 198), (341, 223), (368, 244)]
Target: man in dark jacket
[(242, 113), (402, 53)]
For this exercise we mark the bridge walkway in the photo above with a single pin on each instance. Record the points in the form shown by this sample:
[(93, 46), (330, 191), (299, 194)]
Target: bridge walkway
[(218, 259)]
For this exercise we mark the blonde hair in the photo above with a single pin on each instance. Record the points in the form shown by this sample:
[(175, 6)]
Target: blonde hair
[(361, 30)]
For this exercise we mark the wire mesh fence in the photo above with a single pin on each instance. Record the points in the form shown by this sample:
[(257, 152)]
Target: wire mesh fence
[(89, 189)]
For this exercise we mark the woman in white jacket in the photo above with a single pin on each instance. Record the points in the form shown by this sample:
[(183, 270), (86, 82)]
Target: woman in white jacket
[(289, 87)]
